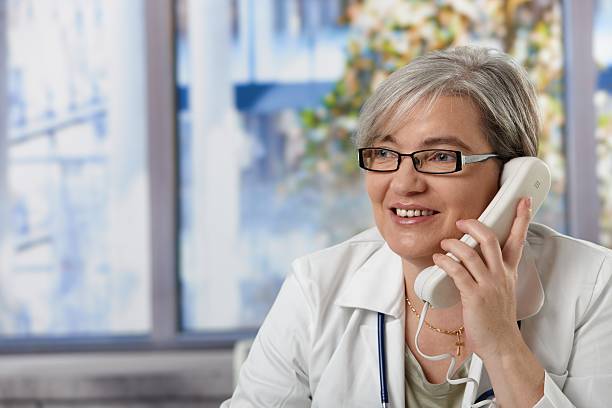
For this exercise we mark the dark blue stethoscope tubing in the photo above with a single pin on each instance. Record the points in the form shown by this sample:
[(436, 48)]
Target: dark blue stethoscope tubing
[(382, 358), (382, 365)]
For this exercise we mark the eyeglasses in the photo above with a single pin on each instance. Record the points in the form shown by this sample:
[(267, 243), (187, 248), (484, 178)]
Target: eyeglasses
[(430, 161)]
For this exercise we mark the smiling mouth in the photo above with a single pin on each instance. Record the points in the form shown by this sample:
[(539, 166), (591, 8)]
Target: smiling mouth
[(413, 213)]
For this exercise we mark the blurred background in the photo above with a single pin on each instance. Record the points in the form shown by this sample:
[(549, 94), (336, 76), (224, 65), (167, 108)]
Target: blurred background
[(162, 162)]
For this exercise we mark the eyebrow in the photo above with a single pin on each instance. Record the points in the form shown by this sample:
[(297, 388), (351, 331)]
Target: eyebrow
[(434, 141)]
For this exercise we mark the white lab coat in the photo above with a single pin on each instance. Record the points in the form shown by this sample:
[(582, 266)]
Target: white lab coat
[(318, 345)]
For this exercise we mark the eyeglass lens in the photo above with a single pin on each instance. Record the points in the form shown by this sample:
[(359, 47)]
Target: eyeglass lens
[(431, 161)]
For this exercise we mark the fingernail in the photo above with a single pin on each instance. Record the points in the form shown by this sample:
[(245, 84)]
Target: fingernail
[(529, 202), (459, 222)]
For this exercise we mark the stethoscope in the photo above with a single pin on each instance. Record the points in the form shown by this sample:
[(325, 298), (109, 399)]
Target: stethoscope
[(382, 361), (382, 366)]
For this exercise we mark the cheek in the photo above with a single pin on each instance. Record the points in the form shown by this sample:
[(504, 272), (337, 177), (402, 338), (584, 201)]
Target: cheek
[(375, 186), (475, 197)]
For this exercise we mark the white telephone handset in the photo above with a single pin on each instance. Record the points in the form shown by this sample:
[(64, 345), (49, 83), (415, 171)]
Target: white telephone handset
[(521, 177)]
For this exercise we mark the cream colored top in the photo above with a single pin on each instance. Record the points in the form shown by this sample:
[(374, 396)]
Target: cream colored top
[(423, 394)]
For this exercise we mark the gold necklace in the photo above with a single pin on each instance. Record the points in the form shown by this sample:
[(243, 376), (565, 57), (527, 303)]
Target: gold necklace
[(457, 332)]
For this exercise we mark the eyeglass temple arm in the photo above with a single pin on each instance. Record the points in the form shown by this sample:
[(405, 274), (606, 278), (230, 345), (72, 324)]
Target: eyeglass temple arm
[(475, 158)]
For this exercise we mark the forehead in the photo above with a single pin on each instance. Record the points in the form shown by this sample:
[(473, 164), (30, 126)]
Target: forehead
[(432, 142), (451, 121)]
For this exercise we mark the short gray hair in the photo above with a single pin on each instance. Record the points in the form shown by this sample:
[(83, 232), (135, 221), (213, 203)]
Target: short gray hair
[(498, 85)]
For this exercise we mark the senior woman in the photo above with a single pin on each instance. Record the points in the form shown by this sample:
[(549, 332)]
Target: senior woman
[(536, 309)]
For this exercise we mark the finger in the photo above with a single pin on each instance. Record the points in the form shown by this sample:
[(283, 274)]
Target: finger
[(513, 248), (462, 278), (469, 257), (487, 240)]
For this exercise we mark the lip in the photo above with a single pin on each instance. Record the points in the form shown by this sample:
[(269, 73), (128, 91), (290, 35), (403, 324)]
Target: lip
[(412, 220), (411, 206)]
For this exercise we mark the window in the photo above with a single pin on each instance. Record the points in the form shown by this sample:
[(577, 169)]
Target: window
[(242, 219), (269, 97), (602, 38), (75, 253)]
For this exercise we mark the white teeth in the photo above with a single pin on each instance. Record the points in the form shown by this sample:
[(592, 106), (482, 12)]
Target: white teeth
[(413, 213)]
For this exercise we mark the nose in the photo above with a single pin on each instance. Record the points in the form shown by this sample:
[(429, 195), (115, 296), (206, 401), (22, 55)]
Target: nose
[(407, 180)]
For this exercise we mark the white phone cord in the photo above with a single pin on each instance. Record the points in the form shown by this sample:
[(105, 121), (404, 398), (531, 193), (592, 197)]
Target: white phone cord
[(451, 367)]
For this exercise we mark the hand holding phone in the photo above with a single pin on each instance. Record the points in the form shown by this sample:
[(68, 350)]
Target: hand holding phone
[(521, 177)]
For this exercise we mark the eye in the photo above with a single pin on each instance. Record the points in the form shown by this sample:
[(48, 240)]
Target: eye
[(443, 157), (382, 154)]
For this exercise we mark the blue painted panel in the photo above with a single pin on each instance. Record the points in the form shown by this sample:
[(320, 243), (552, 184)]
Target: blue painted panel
[(262, 98), (272, 97), (604, 79)]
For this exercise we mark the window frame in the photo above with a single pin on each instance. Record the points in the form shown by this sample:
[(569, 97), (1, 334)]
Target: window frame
[(3, 125), (580, 152), (165, 333), (163, 180)]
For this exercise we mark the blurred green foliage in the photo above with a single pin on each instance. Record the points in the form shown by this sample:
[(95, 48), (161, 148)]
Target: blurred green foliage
[(390, 33)]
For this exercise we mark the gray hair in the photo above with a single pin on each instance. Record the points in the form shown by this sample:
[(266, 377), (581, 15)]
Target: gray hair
[(497, 84)]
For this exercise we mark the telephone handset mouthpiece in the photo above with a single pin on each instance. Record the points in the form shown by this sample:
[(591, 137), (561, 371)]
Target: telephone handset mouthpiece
[(521, 177)]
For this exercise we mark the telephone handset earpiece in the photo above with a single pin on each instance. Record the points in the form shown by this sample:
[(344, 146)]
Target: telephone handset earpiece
[(521, 177)]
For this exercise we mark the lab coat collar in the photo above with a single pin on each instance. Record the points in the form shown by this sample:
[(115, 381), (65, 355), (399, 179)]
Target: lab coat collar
[(378, 285)]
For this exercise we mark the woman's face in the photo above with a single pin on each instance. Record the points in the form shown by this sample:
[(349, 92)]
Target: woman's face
[(452, 123)]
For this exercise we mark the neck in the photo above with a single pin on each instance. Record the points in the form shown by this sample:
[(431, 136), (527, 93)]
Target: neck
[(411, 269), (451, 316)]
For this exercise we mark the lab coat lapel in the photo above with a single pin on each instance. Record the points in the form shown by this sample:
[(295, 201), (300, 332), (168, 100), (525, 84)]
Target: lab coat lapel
[(394, 343), (529, 290), (378, 286)]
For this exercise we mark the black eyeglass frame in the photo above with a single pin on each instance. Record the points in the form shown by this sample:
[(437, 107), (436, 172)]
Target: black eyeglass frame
[(462, 159)]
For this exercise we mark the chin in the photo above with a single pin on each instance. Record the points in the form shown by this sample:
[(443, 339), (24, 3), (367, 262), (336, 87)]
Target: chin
[(413, 250)]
